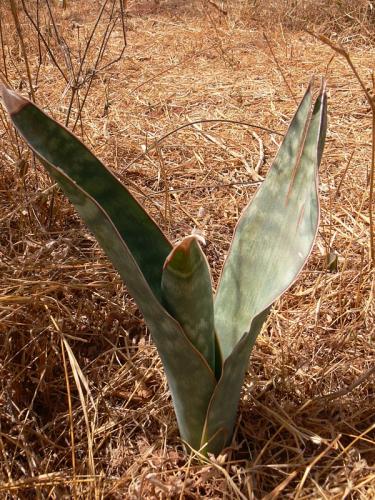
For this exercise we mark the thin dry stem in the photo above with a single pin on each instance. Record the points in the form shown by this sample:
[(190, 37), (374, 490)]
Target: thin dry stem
[(23, 48), (344, 53)]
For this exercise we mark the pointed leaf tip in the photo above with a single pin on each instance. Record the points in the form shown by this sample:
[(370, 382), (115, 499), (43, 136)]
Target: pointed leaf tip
[(180, 255), (13, 102)]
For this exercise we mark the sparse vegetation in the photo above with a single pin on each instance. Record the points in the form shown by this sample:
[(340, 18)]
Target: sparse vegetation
[(85, 409)]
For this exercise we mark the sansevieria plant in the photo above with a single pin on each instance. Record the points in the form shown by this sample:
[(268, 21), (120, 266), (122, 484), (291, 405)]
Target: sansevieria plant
[(204, 341)]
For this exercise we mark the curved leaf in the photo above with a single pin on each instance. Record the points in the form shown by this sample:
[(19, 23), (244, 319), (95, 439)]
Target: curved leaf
[(187, 294), (185, 367), (276, 231), (58, 147)]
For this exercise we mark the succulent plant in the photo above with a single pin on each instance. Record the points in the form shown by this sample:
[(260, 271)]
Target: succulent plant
[(204, 341)]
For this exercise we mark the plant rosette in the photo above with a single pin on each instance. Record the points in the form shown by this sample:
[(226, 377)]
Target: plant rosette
[(204, 341)]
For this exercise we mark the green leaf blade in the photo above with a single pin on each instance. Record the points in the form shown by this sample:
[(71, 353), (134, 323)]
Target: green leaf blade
[(222, 410), (276, 231), (187, 295), (57, 147), (190, 379)]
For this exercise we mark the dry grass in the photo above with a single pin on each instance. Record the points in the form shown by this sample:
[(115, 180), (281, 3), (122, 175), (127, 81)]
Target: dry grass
[(351, 20), (84, 409)]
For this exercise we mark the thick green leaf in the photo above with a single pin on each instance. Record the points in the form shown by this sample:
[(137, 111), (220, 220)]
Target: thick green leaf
[(275, 233), (184, 366), (187, 295), (222, 411), (58, 147), (190, 379), (284, 214)]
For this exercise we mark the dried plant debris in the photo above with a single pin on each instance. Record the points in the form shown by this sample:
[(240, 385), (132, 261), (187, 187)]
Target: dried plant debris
[(84, 406)]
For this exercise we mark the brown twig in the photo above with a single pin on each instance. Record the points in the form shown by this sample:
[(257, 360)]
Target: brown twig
[(218, 8), (345, 54), (280, 68), (344, 173), (190, 124), (42, 38), (23, 47), (3, 47), (343, 392)]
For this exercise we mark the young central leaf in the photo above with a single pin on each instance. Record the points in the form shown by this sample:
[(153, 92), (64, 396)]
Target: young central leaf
[(187, 295)]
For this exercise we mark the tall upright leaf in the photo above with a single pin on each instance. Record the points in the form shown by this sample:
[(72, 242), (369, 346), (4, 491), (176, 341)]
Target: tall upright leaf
[(276, 231), (272, 242)]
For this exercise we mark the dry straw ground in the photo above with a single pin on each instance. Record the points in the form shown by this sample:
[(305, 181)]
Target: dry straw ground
[(84, 409)]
